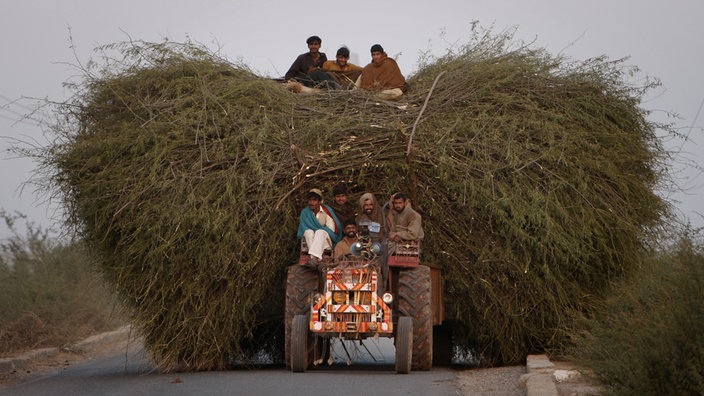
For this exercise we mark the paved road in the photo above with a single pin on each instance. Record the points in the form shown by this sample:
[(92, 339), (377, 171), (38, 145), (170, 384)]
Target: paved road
[(120, 374)]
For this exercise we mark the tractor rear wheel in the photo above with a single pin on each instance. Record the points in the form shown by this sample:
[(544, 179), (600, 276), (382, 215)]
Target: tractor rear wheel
[(301, 283), (414, 300), (404, 345)]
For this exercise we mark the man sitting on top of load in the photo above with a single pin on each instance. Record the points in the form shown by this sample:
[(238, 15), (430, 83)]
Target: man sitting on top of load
[(344, 72), (383, 75), (307, 68)]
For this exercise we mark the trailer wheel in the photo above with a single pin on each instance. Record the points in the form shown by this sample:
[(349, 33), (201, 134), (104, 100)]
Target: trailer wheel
[(300, 284), (299, 344), (404, 345), (414, 300)]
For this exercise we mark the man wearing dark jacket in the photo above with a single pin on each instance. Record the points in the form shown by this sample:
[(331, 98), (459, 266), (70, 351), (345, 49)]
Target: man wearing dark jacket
[(306, 69), (344, 209)]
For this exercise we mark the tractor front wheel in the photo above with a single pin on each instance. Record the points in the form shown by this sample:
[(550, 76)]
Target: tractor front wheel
[(404, 345), (299, 344), (301, 283)]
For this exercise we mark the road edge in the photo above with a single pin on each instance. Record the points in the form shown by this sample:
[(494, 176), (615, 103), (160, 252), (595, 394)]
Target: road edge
[(23, 360), (538, 379)]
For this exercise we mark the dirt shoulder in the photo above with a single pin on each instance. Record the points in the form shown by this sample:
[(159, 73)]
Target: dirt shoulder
[(497, 381), (544, 378), (573, 380), (25, 366)]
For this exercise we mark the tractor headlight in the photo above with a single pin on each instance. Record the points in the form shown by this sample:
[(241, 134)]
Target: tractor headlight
[(356, 248), (387, 298), (375, 248)]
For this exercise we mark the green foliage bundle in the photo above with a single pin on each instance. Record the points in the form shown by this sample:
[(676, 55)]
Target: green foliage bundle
[(51, 293), (540, 176), (171, 173), (649, 337), (186, 173)]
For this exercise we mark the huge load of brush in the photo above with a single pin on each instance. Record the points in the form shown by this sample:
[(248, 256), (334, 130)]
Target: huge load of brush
[(186, 174)]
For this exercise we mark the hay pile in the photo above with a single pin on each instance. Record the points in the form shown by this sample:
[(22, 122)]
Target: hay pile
[(186, 173)]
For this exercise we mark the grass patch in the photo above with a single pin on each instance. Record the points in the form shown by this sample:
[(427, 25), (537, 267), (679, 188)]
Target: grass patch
[(51, 294), (649, 336)]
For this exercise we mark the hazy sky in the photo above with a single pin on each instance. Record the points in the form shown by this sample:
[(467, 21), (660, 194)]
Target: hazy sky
[(661, 37)]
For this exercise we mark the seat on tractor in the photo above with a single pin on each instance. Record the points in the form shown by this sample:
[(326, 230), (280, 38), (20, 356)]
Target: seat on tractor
[(407, 254)]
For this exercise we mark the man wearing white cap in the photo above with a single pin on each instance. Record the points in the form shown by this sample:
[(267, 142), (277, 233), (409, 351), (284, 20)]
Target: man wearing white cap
[(319, 226)]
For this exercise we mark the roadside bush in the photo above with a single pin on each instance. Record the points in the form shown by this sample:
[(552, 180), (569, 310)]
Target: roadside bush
[(51, 294), (649, 339)]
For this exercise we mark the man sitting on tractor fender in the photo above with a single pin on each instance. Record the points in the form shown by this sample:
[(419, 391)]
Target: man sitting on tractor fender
[(319, 226), (404, 222)]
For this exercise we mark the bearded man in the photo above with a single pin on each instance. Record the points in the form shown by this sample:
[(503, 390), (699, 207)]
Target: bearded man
[(370, 217), (343, 247), (404, 222)]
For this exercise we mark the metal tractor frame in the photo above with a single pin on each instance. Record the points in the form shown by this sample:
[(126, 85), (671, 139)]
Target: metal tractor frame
[(349, 300)]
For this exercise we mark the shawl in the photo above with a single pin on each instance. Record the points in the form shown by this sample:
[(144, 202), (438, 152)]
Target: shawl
[(310, 222), (376, 215), (346, 76), (384, 75), (332, 66)]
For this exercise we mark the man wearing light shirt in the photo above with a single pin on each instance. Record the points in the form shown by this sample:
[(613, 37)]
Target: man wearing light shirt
[(319, 226)]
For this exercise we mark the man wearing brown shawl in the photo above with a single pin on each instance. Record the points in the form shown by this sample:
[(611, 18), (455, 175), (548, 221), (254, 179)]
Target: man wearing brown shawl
[(383, 75), (370, 211)]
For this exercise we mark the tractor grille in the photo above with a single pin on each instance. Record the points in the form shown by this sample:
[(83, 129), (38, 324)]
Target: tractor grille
[(352, 318)]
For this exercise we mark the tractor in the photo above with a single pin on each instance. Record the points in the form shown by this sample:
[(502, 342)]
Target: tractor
[(367, 294)]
